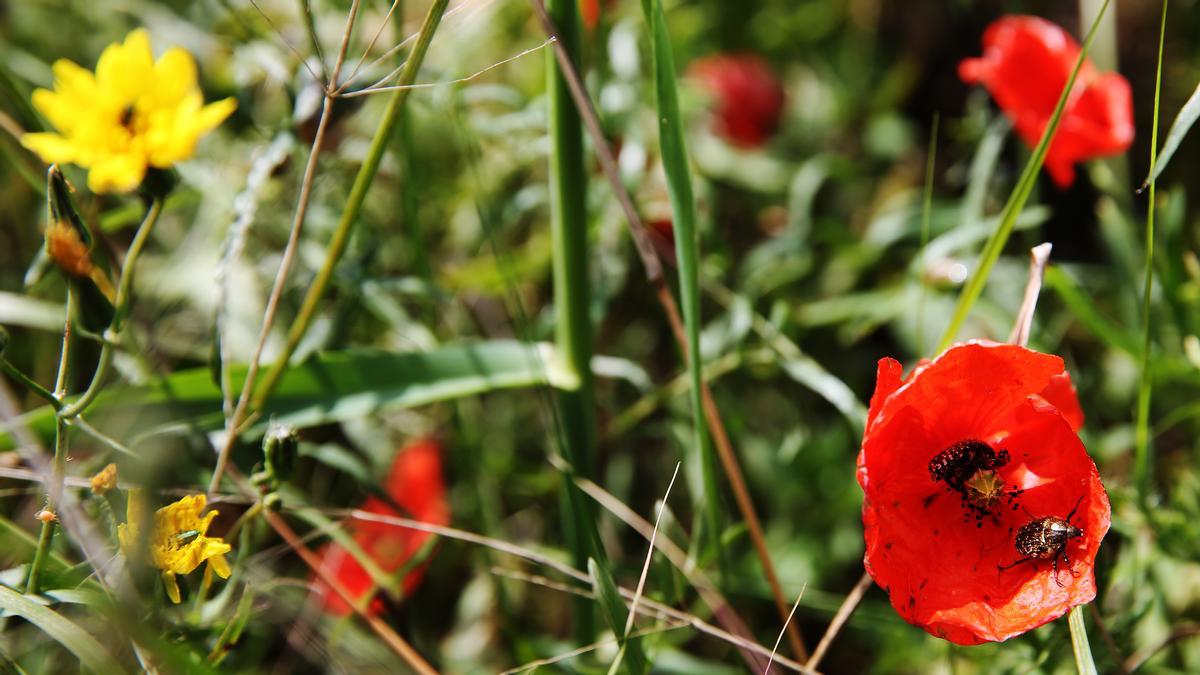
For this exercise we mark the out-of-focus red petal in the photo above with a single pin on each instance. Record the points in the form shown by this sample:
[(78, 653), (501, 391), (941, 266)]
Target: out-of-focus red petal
[(1061, 394), (1026, 63), (941, 570), (748, 98), (416, 485)]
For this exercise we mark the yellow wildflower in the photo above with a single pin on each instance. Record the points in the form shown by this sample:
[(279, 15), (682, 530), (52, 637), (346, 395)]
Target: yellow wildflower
[(105, 480), (178, 542), (133, 113)]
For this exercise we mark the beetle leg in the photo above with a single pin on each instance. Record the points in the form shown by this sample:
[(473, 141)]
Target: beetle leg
[(1022, 560)]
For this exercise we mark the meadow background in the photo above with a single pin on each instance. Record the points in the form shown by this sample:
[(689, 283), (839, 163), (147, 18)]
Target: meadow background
[(818, 256)]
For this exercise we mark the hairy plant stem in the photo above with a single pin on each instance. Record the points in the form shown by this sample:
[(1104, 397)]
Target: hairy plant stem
[(55, 485), (121, 310), (64, 413)]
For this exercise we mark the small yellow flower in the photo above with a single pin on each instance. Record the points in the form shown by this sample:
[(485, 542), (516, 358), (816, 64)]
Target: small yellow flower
[(133, 113), (105, 480), (178, 543)]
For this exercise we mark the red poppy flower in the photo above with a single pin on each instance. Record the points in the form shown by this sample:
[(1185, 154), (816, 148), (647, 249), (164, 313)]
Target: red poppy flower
[(415, 485), (949, 560), (1025, 65), (748, 97)]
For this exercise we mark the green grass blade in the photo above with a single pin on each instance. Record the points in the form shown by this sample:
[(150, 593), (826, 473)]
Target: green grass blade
[(1079, 643), (926, 211), (687, 247), (612, 606), (1016, 199), (329, 387), (1141, 456), (1187, 116), (78, 641), (1079, 304)]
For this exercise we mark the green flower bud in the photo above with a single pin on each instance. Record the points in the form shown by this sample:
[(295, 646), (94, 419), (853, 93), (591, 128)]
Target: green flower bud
[(280, 447)]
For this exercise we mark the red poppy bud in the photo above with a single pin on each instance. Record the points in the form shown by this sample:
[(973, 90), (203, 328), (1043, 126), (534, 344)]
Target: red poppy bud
[(1025, 65), (415, 485), (748, 98), (948, 558)]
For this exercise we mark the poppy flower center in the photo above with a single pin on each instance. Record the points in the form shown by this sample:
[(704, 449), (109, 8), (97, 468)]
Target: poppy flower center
[(970, 468)]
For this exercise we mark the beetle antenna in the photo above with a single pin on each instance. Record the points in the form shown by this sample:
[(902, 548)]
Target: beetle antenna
[(1072, 513)]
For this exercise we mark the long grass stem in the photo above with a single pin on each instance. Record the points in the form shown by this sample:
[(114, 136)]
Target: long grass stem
[(1141, 456)]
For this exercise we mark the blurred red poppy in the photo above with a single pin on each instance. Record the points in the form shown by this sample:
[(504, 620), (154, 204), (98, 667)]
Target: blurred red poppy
[(662, 236), (941, 573), (1025, 65), (748, 98), (590, 11), (415, 485)]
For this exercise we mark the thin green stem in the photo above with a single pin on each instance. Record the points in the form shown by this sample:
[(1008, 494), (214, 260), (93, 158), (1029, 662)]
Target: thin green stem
[(29, 383), (572, 301), (358, 193), (1141, 461), (121, 308), (1084, 662), (1016, 200)]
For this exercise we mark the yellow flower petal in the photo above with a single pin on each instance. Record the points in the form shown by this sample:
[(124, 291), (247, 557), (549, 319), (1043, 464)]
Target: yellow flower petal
[(127, 69), (174, 77), (211, 115), (52, 148), (219, 565), (117, 173), (172, 587)]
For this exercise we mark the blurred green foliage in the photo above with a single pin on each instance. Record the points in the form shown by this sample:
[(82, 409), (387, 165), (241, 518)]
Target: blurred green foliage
[(812, 268)]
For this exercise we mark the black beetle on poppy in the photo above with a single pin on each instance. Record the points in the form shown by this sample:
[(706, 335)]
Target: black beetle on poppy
[(969, 468)]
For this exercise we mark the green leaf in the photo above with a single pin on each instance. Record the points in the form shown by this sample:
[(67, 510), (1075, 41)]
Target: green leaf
[(329, 387), (612, 606), (91, 654), (1187, 116)]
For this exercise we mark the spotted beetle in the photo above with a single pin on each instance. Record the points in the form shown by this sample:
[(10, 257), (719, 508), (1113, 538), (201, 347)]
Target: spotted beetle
[(1047, 538)]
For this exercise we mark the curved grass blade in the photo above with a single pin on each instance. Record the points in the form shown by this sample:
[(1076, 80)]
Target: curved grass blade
[(1187, 116), (683, 214), (1141, 451), (78, 641), (612, 607), (329, 387), (1016, 199)]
